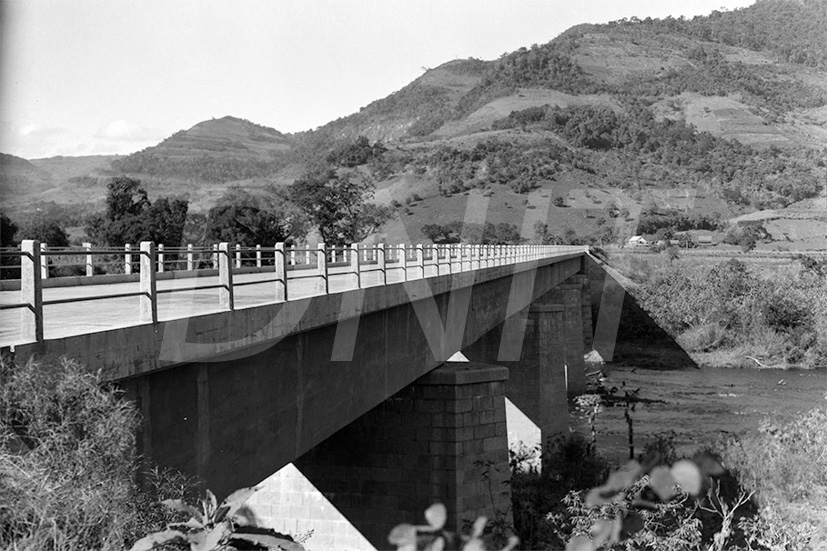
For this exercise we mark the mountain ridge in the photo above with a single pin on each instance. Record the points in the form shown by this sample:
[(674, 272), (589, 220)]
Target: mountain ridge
[(701, 83)]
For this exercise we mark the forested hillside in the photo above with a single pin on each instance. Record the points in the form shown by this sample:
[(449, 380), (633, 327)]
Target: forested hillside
[(222, 150), (728, 111)]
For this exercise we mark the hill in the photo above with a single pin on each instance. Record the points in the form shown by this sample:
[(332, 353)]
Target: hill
[(723, 116), (218, 150), (19, 177)]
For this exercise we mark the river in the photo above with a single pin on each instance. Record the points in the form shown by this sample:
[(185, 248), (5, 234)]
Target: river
[(703, 405)]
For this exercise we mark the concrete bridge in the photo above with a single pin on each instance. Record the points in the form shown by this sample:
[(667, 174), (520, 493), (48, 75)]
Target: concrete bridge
[(342, 370)]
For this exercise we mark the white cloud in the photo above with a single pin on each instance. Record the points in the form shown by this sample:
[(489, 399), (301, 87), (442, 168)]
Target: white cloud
[(125, 131), (34, 141)]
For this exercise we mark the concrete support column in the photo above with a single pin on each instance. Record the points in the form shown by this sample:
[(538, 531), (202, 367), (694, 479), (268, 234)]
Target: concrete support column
[(127, 259), (44, 262), (149, 292), (584, 282), (429, 443), (280, 262), (570, 296), (31, 292), (532, 345), (90, 268), (355, 267)]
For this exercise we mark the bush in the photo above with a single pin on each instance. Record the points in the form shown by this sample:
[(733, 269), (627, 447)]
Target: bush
[(68, 462), (783, 463), (537, 493)]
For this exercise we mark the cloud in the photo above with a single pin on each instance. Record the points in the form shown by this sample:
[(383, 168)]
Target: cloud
[(34, 141), (125, 131)]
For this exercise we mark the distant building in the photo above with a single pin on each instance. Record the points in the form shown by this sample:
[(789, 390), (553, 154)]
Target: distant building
[(704, 239), (638, 241)]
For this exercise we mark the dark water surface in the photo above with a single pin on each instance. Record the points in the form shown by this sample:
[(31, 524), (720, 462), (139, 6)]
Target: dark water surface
[(703, 405)]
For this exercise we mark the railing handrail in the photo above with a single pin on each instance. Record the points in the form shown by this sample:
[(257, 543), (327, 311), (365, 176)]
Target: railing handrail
[(412, 260)]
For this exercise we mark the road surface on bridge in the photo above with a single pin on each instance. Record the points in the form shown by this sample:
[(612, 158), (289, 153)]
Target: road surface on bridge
[(79, 318)]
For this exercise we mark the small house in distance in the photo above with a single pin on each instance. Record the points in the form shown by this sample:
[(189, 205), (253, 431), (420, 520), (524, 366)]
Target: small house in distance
[(704, 239), (638, 241)]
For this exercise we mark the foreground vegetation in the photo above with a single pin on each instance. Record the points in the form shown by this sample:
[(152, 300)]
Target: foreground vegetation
[(68, 467), (68, 479), (772, 495), (736, 312)]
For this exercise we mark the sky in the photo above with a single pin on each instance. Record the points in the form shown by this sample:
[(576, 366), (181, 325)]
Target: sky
[(88, 77)]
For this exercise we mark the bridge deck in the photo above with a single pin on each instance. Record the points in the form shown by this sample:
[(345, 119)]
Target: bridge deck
[(78, 318)]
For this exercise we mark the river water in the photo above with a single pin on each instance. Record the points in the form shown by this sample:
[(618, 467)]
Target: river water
[(703, 405)]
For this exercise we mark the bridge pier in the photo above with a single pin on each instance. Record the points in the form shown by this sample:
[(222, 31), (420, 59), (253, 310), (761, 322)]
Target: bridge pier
[(431, 442), (537, 372), (543, 347)]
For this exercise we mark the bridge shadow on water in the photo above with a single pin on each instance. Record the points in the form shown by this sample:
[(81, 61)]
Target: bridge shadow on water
[(641, 342), (624, 333)]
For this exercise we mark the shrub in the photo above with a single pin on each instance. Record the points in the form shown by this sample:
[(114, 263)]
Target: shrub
[(537, 493), (67, 461)]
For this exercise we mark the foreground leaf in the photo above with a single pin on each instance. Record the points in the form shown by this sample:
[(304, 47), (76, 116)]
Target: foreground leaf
[(580, 543), (403, 534), (436, 515), (180, 505), (158, 539), (233, 503), (662, 482), (272, 542), (688, 476)]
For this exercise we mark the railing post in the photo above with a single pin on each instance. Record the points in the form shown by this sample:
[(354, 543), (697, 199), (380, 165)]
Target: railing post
[(127, 259), (307, 256), (448, 268), (149, 294), (90, 269), (215, 256), (31, 292), (292, 255), (402, 257), (280, 261), (321, 263), (160, 257), (238, 255), (355, 266), (258, 256), (44, 262), (420, 260), (435, 254), (225, 278), (190, 258), (381, 263)]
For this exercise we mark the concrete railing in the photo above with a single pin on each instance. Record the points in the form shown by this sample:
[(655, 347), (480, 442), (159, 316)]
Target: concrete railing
[(223, 259)]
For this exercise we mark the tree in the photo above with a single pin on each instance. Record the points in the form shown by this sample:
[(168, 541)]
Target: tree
[(9, 265), (7, 231), (164, 221), (239, 217), (337, 204), (131, 218), (46, 231), (443, 234)]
